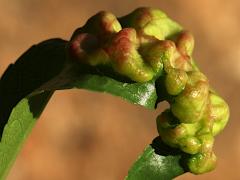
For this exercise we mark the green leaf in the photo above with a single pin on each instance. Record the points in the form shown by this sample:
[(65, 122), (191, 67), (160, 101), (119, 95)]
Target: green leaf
[(143, 94), (27, 85), (20, 124), (157, 162)]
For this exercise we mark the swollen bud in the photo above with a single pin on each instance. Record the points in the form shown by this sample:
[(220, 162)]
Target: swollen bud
[(190, 145), (146, 45), (219, 111), (202, 163), (120, 43), (175, 81), (189, 106), (103, 24), (169, 129), (125, 57), (185, 43)]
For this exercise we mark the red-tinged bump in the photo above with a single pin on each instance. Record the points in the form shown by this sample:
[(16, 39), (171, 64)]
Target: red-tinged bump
[(81, 44), (122, 45), (103, 24), (185, 43), (109, 22), (141, 17), (183, 62)]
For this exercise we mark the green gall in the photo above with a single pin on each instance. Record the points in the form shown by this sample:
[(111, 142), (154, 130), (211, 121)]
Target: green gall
[(182, 62), (185, 43), (202, 163), (153, 54), (146, 45), (175, 81), (151, 22), (172, 58), (207, 141), (97, 57), (219, 112), (191, 129), (189, 105), (166, 120), (140, 17), (125, 57), (195, 77), (134, 51), (102, 24), (148, 15), (190, 145), (80, 45), (165, 50), (168, 128)]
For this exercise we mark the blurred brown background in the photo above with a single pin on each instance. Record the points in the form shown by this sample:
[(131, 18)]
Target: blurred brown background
[(93, 136)]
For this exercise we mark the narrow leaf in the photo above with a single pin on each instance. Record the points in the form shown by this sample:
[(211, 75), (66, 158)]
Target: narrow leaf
[(157, 162), (27, 85)]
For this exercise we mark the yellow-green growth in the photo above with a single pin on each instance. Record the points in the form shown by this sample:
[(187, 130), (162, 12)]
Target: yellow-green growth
[(146, 45)]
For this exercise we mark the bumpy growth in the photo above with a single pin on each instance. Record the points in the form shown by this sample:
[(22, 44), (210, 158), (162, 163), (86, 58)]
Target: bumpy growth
[(146, 45)]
